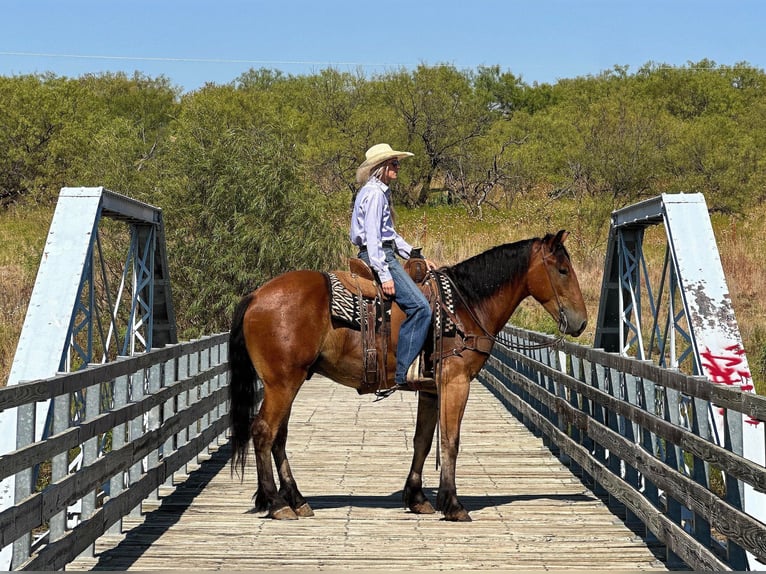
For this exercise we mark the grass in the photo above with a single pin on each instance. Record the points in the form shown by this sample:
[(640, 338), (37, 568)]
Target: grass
[(22, 237), (448, 235)]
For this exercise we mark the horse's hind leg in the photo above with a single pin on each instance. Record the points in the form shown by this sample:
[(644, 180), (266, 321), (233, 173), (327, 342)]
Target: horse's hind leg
[(414, 497), (273, 414), (288, 489)]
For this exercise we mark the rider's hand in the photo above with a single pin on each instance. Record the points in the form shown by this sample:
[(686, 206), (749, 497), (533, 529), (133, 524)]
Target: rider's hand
[(388, 287)]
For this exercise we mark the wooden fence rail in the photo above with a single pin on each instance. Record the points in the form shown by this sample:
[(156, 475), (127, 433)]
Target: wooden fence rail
[(639, 434), (129, 424)]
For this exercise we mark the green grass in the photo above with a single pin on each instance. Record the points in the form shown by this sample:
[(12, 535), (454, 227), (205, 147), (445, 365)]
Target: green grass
[(22, 236)]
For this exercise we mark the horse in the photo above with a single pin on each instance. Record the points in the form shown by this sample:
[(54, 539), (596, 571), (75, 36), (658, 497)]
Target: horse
[(283, 333)]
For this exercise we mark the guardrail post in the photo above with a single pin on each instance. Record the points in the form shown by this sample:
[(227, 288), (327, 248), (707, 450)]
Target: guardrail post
[(647, 396), (204, 389), (631, 430), (612, 386), (136, 429), (183, 401), (674, 459), (60, 463), (578, 402), (153, 418), (734, 488), (168, 410), (599, 452), (25, 435), (193, 397), (117, 482), (89, 456), (221, 356)]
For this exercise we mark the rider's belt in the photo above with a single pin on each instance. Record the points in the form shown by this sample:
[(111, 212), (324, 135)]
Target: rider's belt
[(389, 244)]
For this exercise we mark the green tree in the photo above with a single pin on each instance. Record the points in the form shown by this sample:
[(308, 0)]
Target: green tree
[(128, 131), (237, 210), (440, 112), (35, 154), (715, 156)]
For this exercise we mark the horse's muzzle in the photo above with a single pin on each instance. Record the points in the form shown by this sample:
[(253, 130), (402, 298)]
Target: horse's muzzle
[(571, 325)]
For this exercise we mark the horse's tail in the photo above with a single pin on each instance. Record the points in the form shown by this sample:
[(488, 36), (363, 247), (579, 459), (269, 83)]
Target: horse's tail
[(242, 386)]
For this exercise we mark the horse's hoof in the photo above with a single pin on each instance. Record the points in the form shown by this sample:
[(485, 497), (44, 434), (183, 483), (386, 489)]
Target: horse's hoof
[(304, 511), (459, 516), (284, 513), (422, 508)]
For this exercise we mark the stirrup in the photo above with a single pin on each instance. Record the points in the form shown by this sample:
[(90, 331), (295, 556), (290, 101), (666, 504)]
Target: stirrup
[(384, 393)]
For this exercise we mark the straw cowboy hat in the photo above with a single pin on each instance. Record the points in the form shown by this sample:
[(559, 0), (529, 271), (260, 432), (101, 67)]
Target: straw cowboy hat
[(375, 156)]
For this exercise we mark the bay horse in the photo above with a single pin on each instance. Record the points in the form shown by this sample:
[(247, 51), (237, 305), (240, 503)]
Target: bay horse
[(283, 333)]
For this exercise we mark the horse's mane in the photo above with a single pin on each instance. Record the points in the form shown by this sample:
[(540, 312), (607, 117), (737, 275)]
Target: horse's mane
[(482, 275)]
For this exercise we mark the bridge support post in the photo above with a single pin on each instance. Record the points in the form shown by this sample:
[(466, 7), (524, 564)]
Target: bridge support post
[(67, 325), (684, 321)]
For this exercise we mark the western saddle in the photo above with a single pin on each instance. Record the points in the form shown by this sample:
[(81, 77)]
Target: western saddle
[(375, 326)]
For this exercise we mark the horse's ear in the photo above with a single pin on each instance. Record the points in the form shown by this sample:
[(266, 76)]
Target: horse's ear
[(561, 236)]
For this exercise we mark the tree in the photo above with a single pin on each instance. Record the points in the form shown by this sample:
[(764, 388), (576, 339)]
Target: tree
[(128, 133), (35, 157), (441, 112), (237, 211)]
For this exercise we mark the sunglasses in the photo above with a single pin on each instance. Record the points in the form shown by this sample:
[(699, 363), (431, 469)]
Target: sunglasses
[(395, 163)]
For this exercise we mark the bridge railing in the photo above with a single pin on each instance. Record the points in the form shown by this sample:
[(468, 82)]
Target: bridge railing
[(639, 435), (129, 425)]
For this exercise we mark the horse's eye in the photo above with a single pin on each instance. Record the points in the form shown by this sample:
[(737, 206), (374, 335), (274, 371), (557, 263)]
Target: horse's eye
[(564, 270)]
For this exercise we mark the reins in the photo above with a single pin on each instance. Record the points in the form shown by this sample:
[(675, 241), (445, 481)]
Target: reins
[(562, 325)]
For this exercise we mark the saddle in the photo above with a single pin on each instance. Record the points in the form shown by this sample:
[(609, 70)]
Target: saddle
[(370, 311)]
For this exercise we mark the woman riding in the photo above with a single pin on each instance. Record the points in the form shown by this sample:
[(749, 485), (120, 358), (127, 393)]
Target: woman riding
[(372, 231)]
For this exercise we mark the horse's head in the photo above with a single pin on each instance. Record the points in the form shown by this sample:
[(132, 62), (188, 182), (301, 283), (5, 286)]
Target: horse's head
[(552, 281)]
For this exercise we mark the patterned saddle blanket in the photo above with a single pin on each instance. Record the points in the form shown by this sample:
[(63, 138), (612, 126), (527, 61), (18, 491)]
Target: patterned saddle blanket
[(346, 304)]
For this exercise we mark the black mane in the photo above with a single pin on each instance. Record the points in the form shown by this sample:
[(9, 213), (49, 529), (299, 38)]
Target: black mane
[(482, 275)]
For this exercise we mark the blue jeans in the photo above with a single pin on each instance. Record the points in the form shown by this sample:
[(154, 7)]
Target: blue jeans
[(414, 329)]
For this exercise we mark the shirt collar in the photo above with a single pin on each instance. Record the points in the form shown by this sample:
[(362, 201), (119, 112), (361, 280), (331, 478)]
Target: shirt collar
[(379, 183)]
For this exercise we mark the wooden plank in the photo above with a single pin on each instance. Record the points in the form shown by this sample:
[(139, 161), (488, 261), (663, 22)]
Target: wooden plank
[(734, 464), (351, 456), (691, 551)]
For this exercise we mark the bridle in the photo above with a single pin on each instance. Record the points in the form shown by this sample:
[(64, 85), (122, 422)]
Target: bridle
[(562, 324), (563, 321)]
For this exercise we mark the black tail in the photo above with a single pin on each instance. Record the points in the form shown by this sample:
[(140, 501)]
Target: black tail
[(242, 387)]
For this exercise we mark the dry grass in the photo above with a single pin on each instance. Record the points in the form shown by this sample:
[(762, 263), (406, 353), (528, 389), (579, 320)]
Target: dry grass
[(22, 237), (448, 236)]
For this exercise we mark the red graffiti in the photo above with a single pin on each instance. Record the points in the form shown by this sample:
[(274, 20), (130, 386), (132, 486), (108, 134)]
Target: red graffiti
[(729, 368)]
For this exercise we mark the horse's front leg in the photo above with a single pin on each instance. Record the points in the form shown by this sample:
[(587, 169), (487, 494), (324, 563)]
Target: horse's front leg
[(454, 396), (414, 497)]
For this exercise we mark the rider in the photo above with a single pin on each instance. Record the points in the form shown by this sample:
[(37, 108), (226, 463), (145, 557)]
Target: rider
[(372, 231)]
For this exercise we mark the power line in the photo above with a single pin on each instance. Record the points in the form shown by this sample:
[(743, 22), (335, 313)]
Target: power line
[(192, 60)]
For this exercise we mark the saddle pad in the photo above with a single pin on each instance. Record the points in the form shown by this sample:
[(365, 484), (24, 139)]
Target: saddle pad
[(344, 305)]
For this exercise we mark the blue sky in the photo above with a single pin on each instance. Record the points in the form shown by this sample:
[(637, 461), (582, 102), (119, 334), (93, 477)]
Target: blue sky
[(193, 42)]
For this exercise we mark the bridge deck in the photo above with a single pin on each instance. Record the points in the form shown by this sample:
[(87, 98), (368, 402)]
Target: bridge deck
[(350, 457)]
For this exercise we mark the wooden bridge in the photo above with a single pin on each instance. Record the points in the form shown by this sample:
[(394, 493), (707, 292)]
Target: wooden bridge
[(571, 458), (351, 456)]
